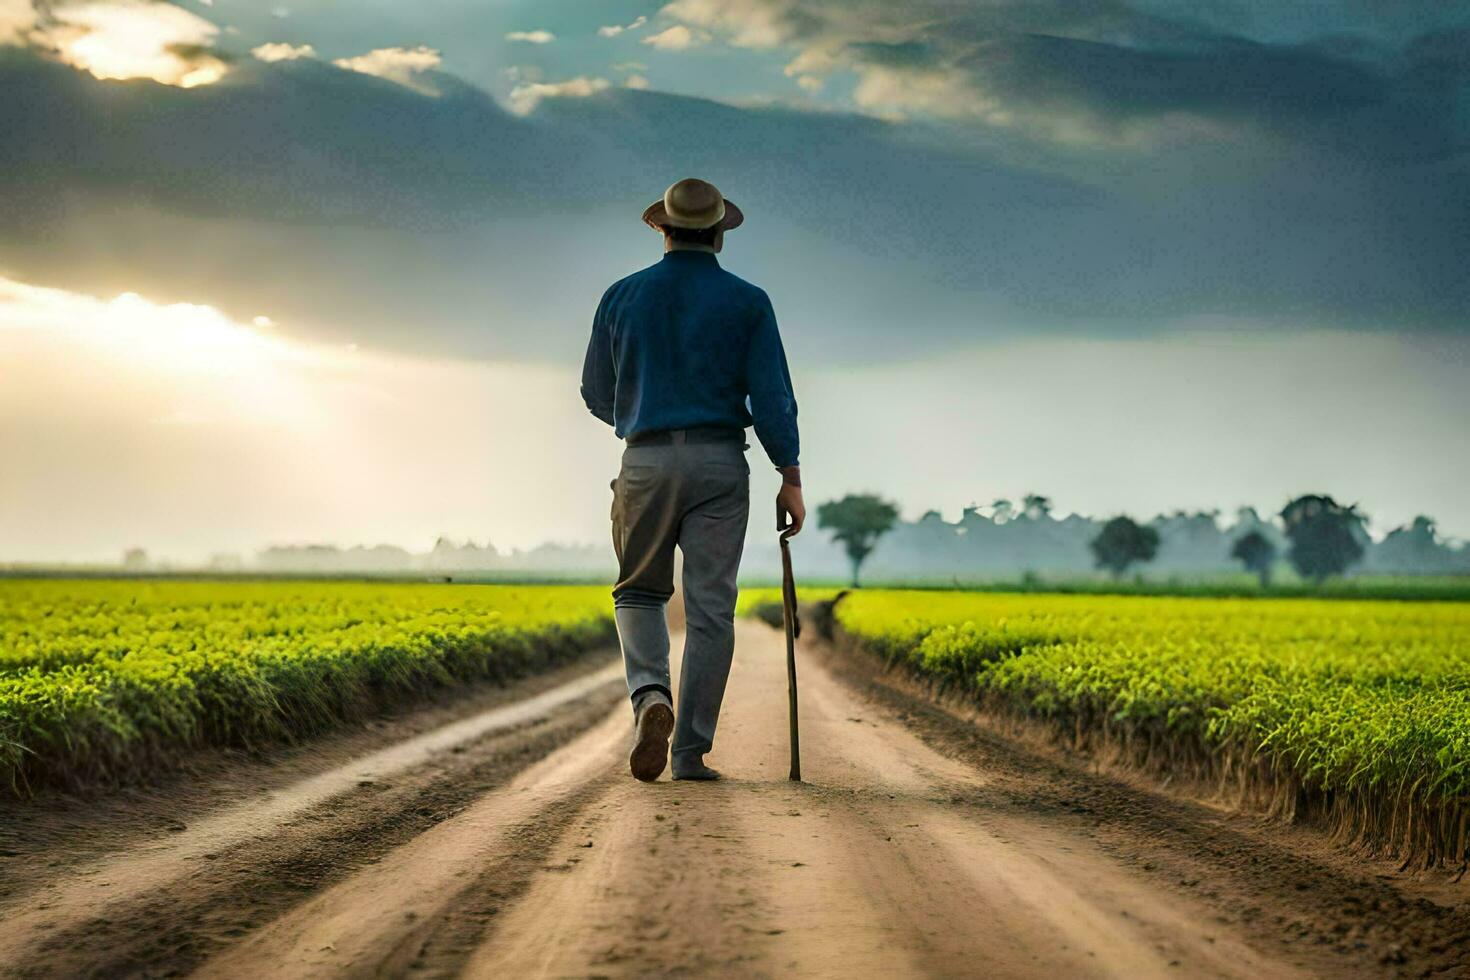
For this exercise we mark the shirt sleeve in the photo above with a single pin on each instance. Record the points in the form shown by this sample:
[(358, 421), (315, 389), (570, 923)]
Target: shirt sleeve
[(599, 377), (768, 381)]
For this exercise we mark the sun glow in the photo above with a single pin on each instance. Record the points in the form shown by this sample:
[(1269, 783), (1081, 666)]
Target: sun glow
[(215, 366), (124, 419), (191, 338), (121, 40)]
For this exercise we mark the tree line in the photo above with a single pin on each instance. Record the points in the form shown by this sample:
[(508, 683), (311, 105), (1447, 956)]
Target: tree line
[(1314, 533)]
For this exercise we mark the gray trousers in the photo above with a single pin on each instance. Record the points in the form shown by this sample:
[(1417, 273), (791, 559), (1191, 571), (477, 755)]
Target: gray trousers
[(696, 496)]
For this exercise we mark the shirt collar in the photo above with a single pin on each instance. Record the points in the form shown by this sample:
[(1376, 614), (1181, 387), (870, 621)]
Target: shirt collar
[(692, 256)]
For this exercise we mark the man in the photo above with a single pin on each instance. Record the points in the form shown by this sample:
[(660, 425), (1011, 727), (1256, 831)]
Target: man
[(683, 357)]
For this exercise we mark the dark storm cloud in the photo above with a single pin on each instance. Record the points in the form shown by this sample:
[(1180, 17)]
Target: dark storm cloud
[(1300, 93), (1386, 22), (450, 224), (1111, 171), (1234, 79), (1100, 71), (901, 54), (300, 139)]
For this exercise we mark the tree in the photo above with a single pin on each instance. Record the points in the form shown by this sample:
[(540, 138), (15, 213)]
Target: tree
[(858, 521), (1417, 544), (1121, 543), (1036, 506), (1325, 536), (1414, 549), (1256, 552), (1247, 517)]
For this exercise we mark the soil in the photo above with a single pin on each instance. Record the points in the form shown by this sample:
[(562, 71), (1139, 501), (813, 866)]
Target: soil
[(501, 835)]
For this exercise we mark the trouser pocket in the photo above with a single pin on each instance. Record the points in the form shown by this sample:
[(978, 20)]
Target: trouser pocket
[(645, 526), (615, 515)]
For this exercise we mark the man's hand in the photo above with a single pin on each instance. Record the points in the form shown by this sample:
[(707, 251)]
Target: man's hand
[(790, 508)]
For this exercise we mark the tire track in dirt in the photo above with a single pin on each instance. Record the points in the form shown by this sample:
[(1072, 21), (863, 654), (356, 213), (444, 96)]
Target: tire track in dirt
[(870, 868), (376, 915), (168, 906)]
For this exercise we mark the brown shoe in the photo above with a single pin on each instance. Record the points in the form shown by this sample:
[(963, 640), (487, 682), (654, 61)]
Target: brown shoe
[(651, 741)]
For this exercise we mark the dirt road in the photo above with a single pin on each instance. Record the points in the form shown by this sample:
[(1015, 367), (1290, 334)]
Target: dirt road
[(509, 841)]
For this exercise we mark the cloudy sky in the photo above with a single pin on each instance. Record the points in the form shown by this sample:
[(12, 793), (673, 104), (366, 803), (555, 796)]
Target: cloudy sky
[(324, 271)]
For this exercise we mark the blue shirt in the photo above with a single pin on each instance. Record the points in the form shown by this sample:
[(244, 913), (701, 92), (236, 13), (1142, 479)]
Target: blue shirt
[(683, 343)]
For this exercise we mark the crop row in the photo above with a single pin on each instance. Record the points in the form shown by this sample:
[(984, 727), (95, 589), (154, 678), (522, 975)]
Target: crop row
[(1356, 712), (104, 679)]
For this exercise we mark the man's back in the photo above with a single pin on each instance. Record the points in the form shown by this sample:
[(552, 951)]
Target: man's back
[(682, 344)]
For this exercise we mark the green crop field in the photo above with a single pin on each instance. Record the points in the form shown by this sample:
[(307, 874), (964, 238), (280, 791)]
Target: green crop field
[(104, 678), (1355, 712), (753, 599)]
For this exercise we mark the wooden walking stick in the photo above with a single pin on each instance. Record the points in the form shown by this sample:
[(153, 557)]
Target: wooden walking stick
[(793, 630)]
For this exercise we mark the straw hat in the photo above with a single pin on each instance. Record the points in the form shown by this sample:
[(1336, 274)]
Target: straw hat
[(692, 203)]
